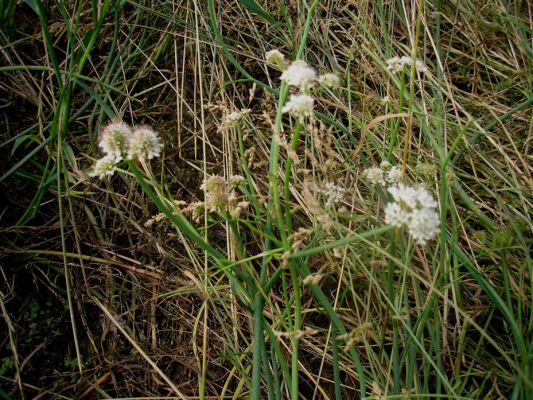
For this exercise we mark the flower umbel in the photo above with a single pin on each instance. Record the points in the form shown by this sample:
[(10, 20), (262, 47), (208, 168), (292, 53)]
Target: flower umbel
[(424, 224), (393, 175), (217, 193), (333, 194), (299, 105), (374, 175), (384, 174), (395, 215), (329, 80), (299, 74), (144, 144), (415, 208), (114, 138), (235, 116), (105, 166), (396, 64), (277, 58)]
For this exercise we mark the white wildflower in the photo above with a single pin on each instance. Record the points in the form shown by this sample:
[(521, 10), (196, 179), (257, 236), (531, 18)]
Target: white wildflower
[(396, 215), (404, 195), (329, 80), (144, 144), (236, 180), (394, 175), (299, 105), (415, 208), (276, 57), (105, 166), (421, 67), (385, 165), (424, 199), (217, 193), (235, 116), (299, 74), (374, 175), (114, 138), (333, 194), (397, 64), (423, 225)]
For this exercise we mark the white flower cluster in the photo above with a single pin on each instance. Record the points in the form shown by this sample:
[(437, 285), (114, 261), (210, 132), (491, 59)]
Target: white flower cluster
[(220, 195), (329, 80), (236, 180), (416, 209), (114, 138), (277, 58), (235, 116), (105, 166), (217, 192), (397, 64), (384, 174), (333, 194), (118, 141), (299, 105), (144, 144), (300, 75)]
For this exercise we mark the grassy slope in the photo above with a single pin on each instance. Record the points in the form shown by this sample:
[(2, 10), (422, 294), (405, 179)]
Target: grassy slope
[(451, 319)]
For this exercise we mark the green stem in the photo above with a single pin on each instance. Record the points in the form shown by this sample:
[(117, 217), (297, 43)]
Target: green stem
[(288, 172), (297, 327)]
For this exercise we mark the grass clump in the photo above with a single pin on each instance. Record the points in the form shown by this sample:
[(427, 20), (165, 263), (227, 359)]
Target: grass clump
[(337, 204)]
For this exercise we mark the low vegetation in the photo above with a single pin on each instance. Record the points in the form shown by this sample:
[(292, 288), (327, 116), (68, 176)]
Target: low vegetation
[(266, 200)]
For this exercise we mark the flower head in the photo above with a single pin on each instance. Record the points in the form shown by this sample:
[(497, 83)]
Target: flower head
[(333, 194), (415, 208), (393, 175), (114, 138), (299, 105), (374, 175), (404, 195), (276, 57), (385, 165), (421, 67), (105, 166), (329, 80), (397, 64), (423, 224), (395, 215), (299, 74), (217, 193), (144, 144), (426, 169), (236, 180), (235, 116)]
